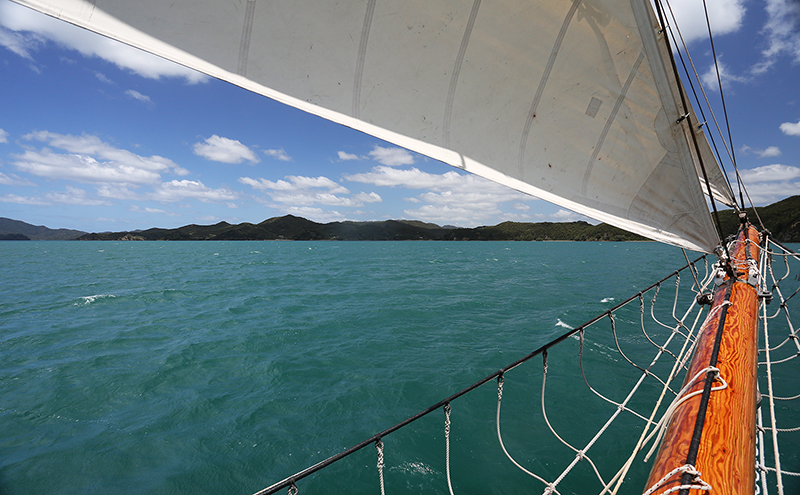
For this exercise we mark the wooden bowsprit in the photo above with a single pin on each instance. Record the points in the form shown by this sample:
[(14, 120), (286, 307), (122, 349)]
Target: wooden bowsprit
[(710, 440)]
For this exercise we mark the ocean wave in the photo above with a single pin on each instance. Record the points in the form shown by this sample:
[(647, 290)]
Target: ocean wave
[(86, 300), (414, 468), (560, 323), (607, 300)]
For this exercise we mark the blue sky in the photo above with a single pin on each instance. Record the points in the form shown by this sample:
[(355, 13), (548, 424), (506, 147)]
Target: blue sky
[(97, 136)]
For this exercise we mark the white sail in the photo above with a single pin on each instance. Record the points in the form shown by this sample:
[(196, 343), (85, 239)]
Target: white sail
[(570, 101)]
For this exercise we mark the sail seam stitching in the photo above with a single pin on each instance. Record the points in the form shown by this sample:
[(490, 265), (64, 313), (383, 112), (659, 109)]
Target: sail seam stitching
[(540, 89), (244, 45), (448, 109), (362, 53), (607, 127)]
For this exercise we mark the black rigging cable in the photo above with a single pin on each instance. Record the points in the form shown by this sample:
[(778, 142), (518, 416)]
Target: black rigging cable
[(688, 117), (724, 107), (700, 105)]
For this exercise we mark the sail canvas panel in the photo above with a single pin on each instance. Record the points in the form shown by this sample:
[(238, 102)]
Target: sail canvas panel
[(570, 101)]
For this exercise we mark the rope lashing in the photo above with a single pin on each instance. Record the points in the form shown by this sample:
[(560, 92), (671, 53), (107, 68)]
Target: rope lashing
[(661, 427), (292, 489), (698, 483)]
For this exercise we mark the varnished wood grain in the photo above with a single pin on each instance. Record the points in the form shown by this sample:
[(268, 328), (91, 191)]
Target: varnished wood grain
[(726, 457)]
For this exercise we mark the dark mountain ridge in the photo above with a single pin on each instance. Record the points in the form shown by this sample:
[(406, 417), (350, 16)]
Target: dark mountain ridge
[(15, 230), (782, 219)]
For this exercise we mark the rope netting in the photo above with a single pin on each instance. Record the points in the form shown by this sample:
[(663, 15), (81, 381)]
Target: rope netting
[(596, 407), (778, 419)]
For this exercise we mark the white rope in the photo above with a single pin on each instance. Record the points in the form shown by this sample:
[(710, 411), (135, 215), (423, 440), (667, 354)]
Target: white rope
[(771, 393), (379, 447), (581, 454), (788, 473), (784, 360), (549, 488), (661, 428), (699, 484), (679, 364), (447, 444), (782, 430), (760, 461)]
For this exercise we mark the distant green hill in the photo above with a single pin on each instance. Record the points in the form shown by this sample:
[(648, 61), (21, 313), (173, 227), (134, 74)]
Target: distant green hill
[(288, 227), (782, 219), (545, 231), (13, 230)]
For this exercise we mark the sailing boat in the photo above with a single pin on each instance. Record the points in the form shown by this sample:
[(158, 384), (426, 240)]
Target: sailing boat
[(576, 102)]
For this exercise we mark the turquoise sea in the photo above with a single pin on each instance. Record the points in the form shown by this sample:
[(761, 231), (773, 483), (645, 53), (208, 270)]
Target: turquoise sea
[(223, 367)]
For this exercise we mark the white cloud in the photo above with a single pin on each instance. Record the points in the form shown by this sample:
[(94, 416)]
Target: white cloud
[(117, 191), (295, 183), (453, 214), (368, 198), (307, 191), (768, 152), (783, 33), (220, 149), (316, 214), (278, 154), (769, 173), (466, 188), (771, 183), (725, 16), (75, 196), (103, 78), (348, 156), (14, 180), (3, 136), (138, 96), (25, 31), (317, 182), (16, 42), (791, 129), (311, 198), (138, 209), (710, 81), (189, 189), (81, 168), (89, 159), (264, 184), (764, 193), (568, 216), (411, 178), (13, 198), (391, 156), (451, 197)]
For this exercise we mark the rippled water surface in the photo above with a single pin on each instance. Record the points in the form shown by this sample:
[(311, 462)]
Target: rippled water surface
[(222, 367)]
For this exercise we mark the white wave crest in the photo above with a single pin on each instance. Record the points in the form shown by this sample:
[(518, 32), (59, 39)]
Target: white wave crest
[(560, 323), (414, 468), (86, 300), (607, 300)]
